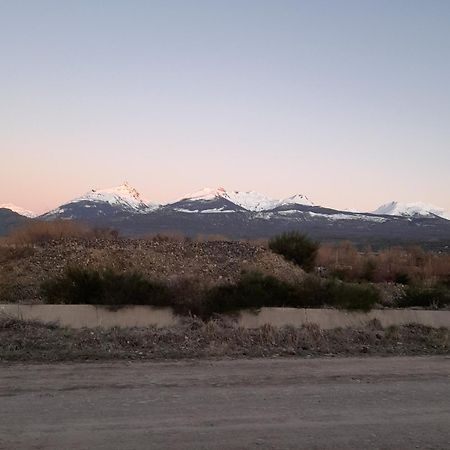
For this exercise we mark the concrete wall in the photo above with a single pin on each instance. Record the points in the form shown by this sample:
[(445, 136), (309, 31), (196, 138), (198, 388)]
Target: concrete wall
[(332, 318), (79, 316)]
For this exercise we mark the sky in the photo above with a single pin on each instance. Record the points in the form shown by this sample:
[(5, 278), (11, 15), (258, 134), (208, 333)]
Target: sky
[(347, 102)]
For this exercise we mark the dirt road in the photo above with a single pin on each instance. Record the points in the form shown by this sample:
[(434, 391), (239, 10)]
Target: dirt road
[(348, 403)]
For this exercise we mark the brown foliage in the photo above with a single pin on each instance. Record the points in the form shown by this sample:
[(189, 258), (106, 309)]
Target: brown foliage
[(392, 264), (40, 231)]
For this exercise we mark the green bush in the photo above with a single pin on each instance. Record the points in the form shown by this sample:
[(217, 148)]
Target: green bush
[(255, 290), (87, 286), (296, 247), (427, 297), (352, 296)]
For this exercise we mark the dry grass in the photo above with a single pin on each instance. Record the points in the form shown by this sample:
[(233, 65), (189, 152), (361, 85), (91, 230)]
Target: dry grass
[(41, 231), (393, 264), (32, 341)]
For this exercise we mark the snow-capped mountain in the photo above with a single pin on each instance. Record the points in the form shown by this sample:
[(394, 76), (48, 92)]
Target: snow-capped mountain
[(245, 215), (416, 209), (17, 209), (101, 202), (123, 195), (207, 200), (247, 200)]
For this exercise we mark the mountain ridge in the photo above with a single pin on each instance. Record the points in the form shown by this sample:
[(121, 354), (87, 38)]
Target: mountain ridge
[(126, 199)]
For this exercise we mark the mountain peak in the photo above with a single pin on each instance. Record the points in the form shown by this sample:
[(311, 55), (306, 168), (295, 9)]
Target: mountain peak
[(297, 199), (124, 196), (18, 210), (412, 209), (206, 193), (250, 200)]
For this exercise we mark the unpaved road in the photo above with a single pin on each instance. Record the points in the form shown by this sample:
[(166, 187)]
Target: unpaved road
[(348, 403)]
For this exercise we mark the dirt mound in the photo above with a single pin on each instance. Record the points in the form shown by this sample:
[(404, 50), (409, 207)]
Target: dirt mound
[(23, 271)]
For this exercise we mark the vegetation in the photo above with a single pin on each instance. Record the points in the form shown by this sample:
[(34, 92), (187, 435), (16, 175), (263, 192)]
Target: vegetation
[(41, 231), (437, 296), (410, 265), (296, 247), (192, 338), (253, 290), (87, 286)]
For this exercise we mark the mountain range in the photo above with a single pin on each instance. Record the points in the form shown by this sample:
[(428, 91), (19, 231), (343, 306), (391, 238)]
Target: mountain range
[(244, 215)]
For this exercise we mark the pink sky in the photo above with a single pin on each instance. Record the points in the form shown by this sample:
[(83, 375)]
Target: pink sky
[(346, 102)]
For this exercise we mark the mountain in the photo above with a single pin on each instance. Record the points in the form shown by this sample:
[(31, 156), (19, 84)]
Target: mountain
[(221, 200), (247, 215), (17, 209), (206, 201), (10, 219), (117, 201), (417, 209)]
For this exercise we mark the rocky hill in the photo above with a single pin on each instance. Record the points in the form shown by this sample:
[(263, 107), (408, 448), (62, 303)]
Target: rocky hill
[(22, 270)]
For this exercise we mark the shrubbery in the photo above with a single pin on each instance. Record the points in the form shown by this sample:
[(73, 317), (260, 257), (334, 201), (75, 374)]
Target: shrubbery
[(255, 290), (426, 296), (87, 286), (296, 247)]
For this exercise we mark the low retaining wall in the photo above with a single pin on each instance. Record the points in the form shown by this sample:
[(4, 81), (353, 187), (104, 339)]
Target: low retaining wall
[(79, 316), (333, 318)]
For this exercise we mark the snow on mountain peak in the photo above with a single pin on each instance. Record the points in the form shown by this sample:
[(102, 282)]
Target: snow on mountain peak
[(297, 199), (250, 200), (413, 209), (206, 193), (18, 210), (123, 195)]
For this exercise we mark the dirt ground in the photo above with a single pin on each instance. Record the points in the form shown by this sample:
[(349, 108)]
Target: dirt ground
[(324, 403), (28, 341), (23, 269)]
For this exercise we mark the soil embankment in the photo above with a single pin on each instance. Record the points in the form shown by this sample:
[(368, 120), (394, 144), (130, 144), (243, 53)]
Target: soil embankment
[(23, 269)]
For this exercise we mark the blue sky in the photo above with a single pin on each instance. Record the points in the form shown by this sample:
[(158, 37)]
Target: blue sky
[(347, 102)]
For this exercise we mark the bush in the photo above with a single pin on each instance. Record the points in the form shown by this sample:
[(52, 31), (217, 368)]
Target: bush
[(426, 297), (86, 286), (255, 290), (296, 247), (353, 296)]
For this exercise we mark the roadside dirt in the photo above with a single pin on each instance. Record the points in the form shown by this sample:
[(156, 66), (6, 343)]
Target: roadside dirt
[(323, 403)]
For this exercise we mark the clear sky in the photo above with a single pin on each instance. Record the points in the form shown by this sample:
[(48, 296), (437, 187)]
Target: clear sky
[(347, 102)]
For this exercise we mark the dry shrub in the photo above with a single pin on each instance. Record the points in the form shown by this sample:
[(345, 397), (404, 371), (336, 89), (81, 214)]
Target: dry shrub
[(396, 264), (40, 231)]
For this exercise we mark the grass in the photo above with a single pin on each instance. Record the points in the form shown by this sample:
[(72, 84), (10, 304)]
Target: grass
[(33, 341), (41, 231)]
